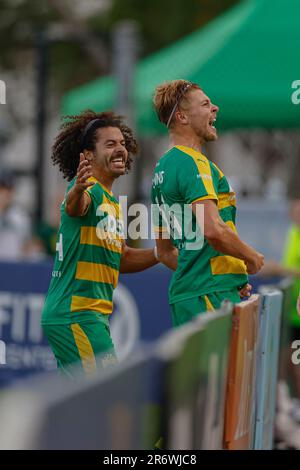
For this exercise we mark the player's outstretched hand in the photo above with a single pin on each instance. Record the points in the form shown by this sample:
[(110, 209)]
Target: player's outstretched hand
[(84, 172)]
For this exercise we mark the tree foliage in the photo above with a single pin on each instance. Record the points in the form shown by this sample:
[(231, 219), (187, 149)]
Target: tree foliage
[(160, 23)]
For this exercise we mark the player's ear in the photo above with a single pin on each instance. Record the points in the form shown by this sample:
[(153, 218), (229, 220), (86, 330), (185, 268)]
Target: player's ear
[(88, 155), (181, 117)]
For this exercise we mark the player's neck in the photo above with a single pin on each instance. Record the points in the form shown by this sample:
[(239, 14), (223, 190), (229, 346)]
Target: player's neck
[(106, 180), (191, 141)]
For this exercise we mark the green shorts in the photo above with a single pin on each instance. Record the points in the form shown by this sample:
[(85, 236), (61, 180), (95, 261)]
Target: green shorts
[(81, 347), (186, 310)]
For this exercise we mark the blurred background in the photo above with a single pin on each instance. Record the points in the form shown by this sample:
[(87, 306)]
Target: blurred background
[(59, 57)]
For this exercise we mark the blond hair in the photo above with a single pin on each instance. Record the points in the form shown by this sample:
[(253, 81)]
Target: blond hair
[(167, 97)]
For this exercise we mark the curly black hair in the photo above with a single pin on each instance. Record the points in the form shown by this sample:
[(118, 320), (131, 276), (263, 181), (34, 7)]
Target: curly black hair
[(68, 143)]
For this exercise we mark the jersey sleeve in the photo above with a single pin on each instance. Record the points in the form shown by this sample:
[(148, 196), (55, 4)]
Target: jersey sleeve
[(70, 186), (195, 180), (95, 193), (159, 224)]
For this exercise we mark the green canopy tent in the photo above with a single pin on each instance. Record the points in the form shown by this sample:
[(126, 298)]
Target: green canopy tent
[(246, 60)]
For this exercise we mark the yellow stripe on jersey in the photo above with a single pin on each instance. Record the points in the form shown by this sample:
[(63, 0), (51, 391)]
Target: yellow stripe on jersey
[(111, 239), (97, 272), (204, 198), (111, 207), (157, 229), (221, 174), (105, 188), (98, 237), (226, 200), (208, 304), (85, 349), (231, 225), (79, 304), (227, 265), (203, 168), (92, 179)]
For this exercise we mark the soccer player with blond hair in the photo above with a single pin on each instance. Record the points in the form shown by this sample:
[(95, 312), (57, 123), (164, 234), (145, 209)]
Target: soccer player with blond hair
[(184, 177)]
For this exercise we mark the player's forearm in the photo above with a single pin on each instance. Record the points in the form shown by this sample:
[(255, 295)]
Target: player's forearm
[(76, 203), (229, 243), (290, 272), (169, 258), (135, 260), (273, 268)]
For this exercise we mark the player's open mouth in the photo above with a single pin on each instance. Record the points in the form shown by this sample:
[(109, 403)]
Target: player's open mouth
[(212, 122), (118, 161)]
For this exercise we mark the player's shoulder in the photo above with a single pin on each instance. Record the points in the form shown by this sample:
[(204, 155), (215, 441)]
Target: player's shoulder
[(100, 193), (217, 170), (171, 159), (190, 160), (221, 180), (190, 156), (177, 153)]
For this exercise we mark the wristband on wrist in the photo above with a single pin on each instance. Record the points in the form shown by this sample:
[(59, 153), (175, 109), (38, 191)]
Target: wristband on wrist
[(155, 253)]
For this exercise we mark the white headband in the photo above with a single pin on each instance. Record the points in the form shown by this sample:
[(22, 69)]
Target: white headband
[(184, 90)]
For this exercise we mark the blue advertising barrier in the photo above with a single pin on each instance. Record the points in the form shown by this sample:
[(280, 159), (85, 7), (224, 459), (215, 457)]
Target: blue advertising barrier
[(141, 313), (22, 292), (267, 367)]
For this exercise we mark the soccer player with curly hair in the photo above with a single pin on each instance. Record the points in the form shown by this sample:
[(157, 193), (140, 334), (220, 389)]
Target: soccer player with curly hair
[(92, 151)]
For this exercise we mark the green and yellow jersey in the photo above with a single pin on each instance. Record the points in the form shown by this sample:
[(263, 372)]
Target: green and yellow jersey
[(87, 262), (183, 176)]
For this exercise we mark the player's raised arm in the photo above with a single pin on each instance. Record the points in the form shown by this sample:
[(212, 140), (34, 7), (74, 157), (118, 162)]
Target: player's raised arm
[(78, 200), (223, 239)]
